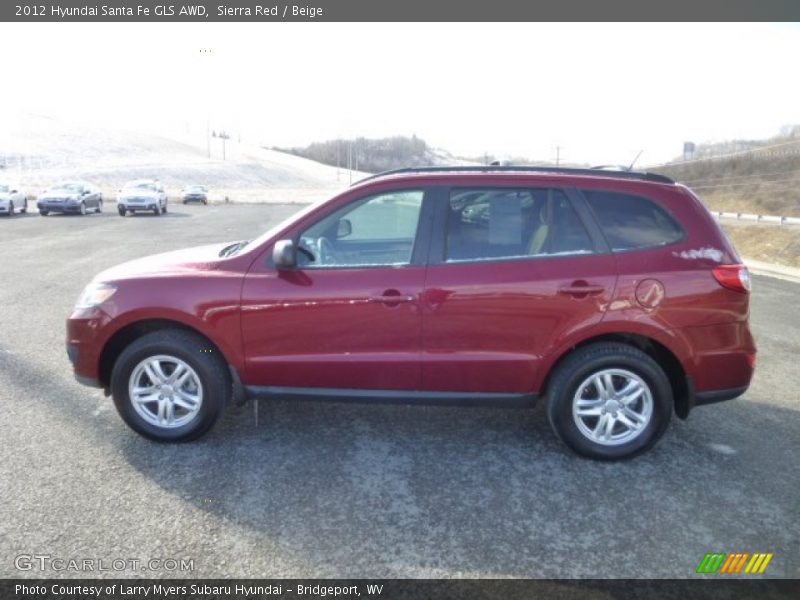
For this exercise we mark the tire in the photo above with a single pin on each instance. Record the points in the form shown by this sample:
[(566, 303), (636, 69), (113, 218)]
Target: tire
[(164, 210), (574, 393), (24, 208), (99, 208), (208, 369), (44, 213), (157, 211), (83, 209), (205, 202), (10, 209), (121, 210)]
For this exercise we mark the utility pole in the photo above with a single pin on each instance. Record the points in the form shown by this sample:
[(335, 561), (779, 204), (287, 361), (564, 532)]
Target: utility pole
[(350, 159)]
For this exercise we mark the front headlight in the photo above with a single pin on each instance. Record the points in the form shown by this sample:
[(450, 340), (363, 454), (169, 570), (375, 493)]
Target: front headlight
[(95, 294)]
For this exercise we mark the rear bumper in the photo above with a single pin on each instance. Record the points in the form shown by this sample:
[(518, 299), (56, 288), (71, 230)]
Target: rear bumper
[(701, 398)]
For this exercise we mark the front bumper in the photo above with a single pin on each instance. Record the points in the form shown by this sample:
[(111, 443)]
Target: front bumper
[(84, 344), (63, 207), (138, 206)]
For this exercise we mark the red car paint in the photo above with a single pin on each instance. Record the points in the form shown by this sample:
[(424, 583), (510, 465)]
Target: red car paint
[(491, 327)]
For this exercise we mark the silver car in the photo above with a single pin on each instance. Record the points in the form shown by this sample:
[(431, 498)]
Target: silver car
[(142, 195), (12, 199)]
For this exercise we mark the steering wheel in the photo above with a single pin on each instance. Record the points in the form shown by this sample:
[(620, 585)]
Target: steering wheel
[(326, 251)]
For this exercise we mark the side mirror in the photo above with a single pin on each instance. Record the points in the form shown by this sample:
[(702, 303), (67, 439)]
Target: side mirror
[(284, 254), (86, 192), (344, 228), (14, 191)]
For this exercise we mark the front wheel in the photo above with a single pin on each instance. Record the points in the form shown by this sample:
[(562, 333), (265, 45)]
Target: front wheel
[(121, 210), (43, 212), (99, 208), (609, 401), (83, 208), (24, 208), (10, 209), (170, 386)]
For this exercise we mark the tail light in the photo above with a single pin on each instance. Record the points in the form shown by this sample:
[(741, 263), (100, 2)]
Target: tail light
[(733, 277)]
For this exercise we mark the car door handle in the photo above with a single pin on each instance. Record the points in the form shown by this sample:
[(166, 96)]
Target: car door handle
[(391, 297), (577, 289)]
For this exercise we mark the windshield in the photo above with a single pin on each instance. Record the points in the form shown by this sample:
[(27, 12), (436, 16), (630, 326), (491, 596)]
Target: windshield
[(273, 231), (195, 188), (141, 185), (72, 188)]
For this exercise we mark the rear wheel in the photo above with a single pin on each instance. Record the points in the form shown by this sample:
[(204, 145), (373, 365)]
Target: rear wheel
[(121, 210), (10, 209), (99, 208), (609, 401), (24, 208), (43, 212), (170, 386), (164, 210), (83, 208)]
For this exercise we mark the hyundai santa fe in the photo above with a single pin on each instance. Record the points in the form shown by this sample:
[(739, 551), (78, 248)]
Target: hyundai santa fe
[(614, 298)]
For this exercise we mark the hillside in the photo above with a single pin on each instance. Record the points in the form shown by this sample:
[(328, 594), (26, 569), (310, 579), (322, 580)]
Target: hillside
[(375, 155), (764, 179), (36, 151)]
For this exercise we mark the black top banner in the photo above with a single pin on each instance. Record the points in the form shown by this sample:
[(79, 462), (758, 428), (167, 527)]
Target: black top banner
[(400, 10)]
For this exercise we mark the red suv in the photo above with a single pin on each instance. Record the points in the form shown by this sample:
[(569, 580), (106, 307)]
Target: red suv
[(615, 295)]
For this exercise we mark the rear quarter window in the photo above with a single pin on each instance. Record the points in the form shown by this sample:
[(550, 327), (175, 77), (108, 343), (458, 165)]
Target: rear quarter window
[(630, 222)]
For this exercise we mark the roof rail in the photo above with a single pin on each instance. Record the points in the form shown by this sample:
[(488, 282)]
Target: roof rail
[(641, 175)]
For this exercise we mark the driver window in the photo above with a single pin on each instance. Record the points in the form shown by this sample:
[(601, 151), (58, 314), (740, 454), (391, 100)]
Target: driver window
[(374, 231)]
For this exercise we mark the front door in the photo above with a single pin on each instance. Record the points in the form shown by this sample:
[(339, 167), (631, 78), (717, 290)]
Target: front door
[(348, 316), (516, 271)]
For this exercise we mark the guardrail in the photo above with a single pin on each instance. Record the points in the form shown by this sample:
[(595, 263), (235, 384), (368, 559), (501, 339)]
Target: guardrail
[(775, 219)]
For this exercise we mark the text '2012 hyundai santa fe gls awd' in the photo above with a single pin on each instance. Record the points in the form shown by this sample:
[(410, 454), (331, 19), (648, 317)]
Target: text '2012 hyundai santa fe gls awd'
[(613, 296)]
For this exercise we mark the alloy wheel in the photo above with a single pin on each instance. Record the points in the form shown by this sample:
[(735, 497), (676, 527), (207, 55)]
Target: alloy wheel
[(165, 391), (612, 406)]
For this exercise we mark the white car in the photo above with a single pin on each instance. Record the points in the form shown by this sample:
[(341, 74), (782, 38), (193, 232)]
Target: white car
[(12, 199), (142, 195)]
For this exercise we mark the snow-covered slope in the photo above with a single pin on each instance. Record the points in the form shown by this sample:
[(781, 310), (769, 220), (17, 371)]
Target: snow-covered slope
[(37, 151)]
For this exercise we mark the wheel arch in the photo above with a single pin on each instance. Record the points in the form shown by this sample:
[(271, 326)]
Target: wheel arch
[(666, 357), (127, 334)]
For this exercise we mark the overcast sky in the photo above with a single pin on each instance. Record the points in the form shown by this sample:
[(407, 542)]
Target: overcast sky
[(601, 92)]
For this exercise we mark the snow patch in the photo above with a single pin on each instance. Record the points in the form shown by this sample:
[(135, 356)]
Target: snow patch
[(706, 253)]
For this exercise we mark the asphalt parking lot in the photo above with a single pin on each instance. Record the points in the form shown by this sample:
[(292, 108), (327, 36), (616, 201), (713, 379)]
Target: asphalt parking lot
[(327, 490)]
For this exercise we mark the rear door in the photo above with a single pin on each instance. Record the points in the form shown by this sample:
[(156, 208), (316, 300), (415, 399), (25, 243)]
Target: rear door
[(513, 270)]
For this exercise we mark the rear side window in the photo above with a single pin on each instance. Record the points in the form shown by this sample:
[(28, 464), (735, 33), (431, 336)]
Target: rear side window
[(487, 224), (630, 222)]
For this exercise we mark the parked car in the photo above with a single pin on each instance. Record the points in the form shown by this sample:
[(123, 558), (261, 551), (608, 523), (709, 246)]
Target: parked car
[(195, 193), (142, 195), (615, 298), (70, 197), (12, 199)]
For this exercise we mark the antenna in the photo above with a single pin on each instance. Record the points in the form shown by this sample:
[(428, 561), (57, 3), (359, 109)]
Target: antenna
[(634, 160)]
